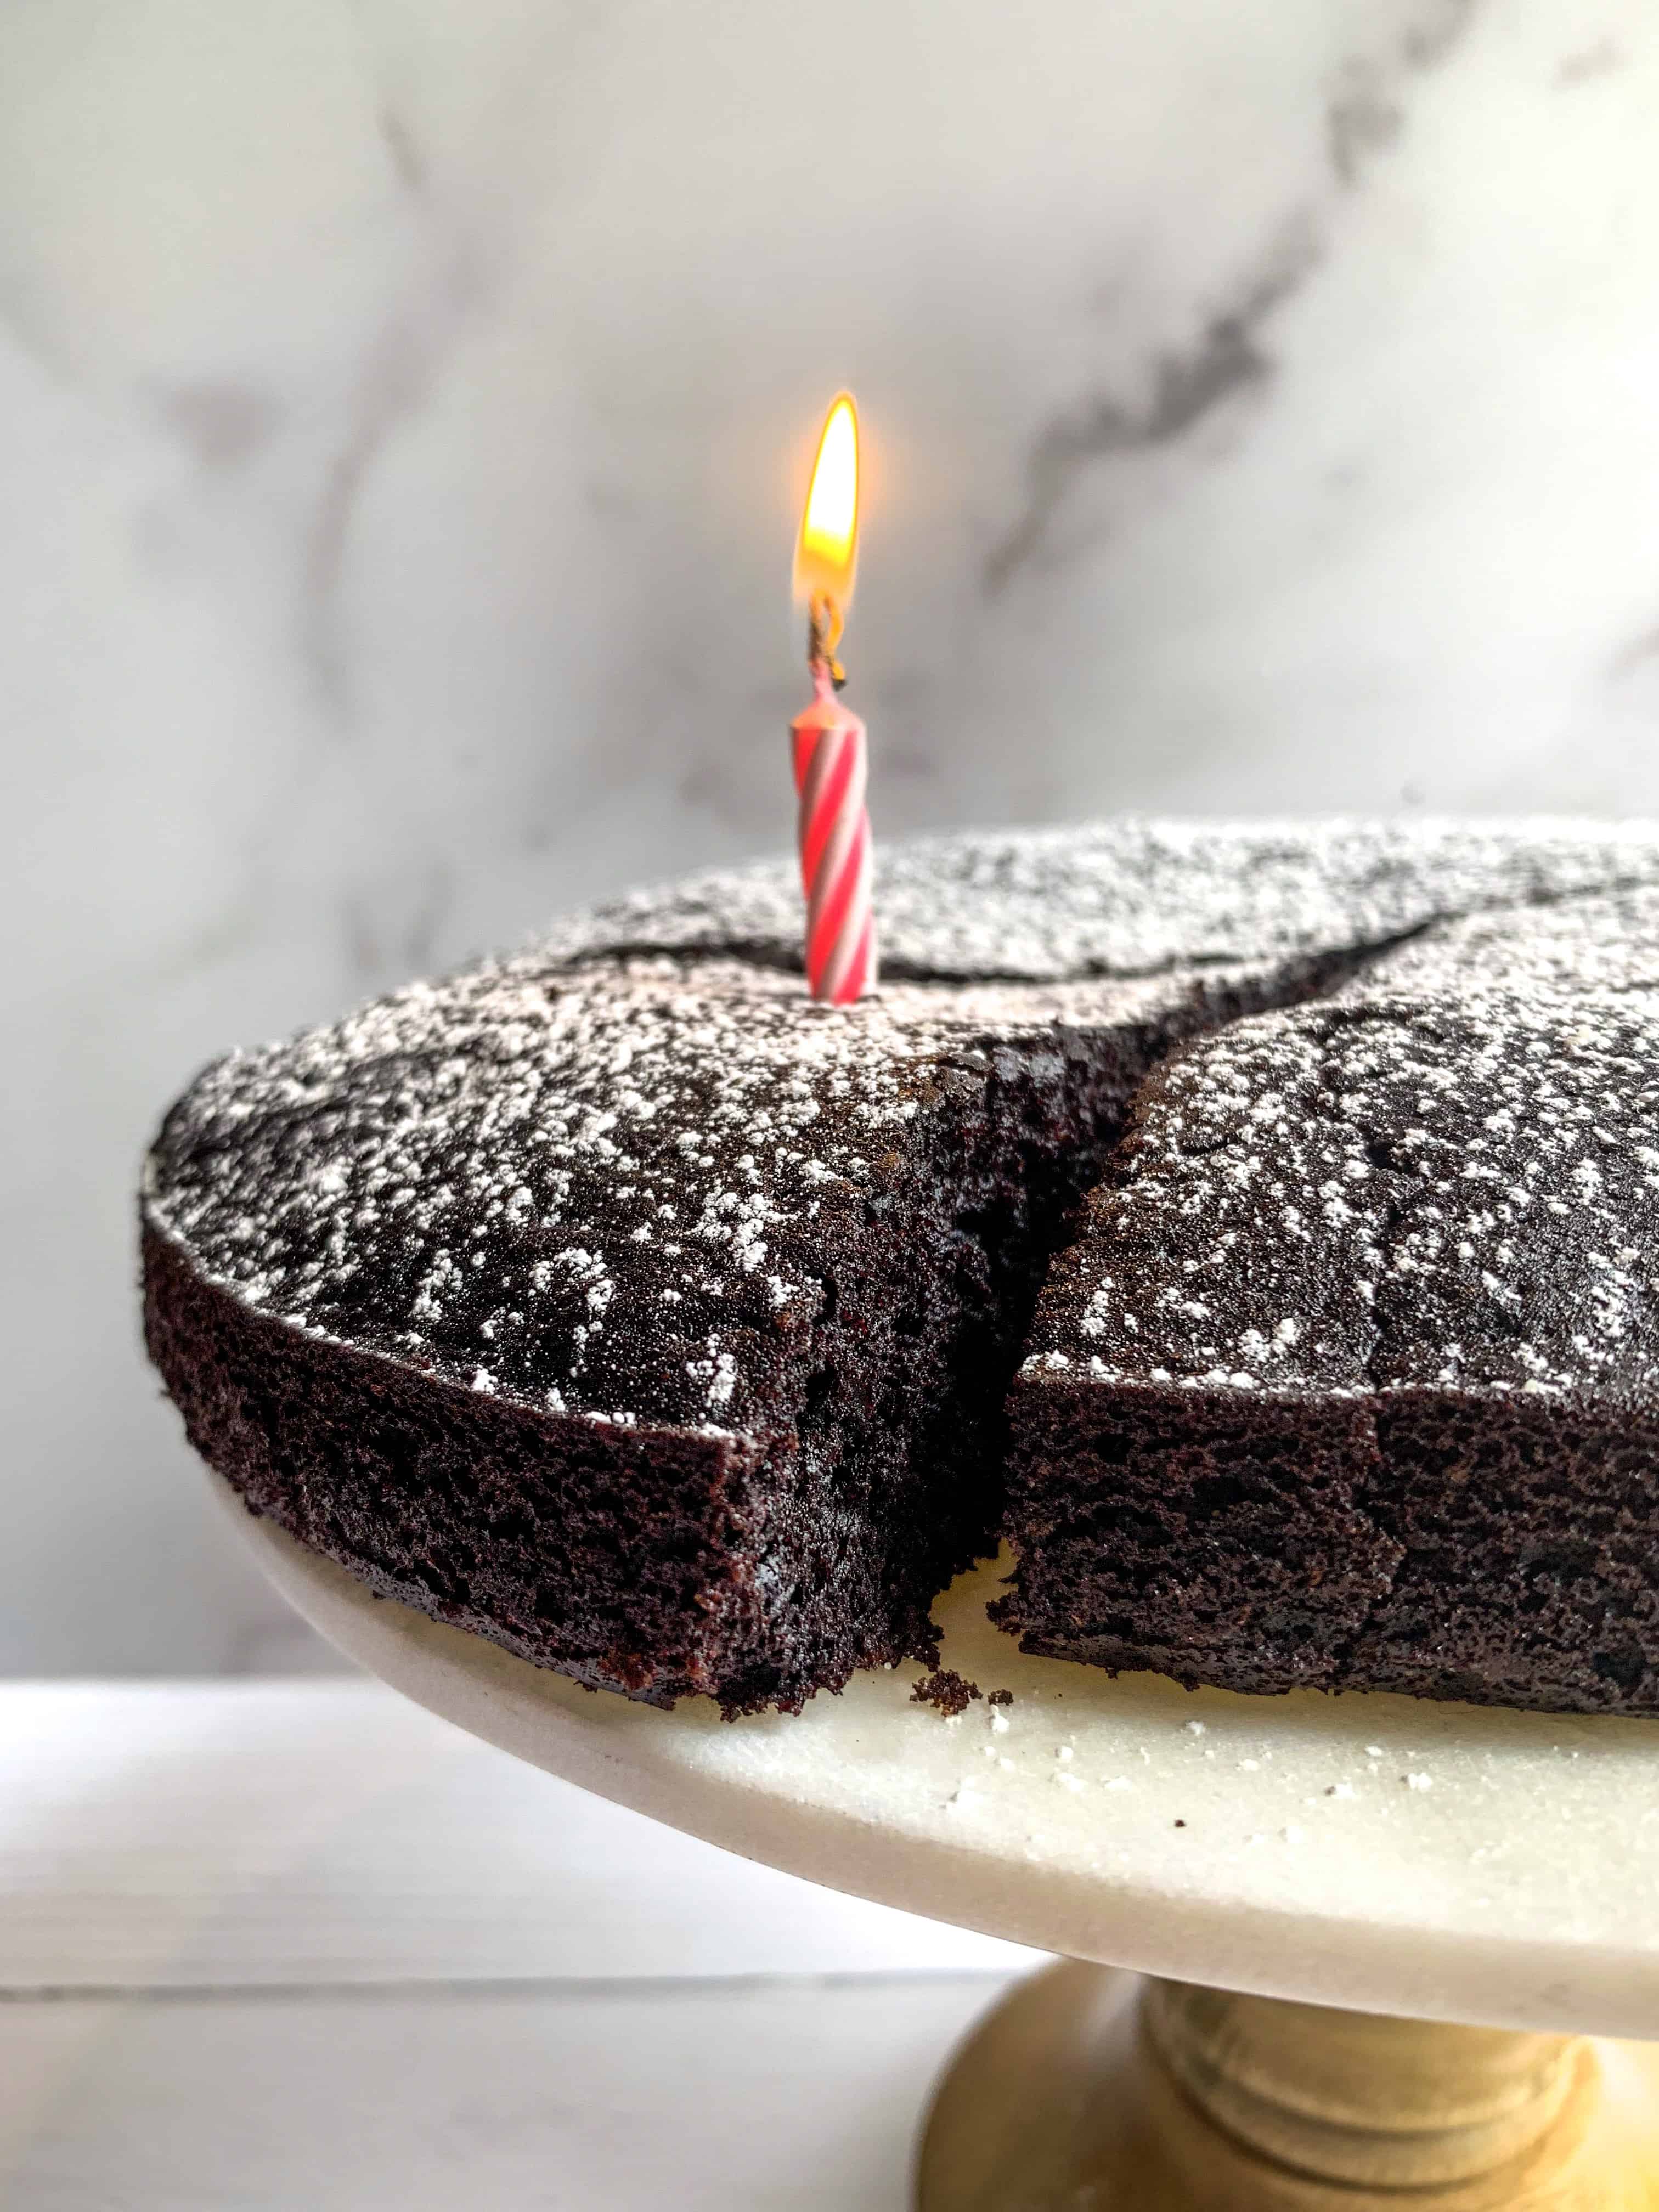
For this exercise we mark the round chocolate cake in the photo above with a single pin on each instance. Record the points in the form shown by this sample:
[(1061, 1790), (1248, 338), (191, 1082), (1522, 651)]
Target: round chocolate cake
[(1257, 1226)]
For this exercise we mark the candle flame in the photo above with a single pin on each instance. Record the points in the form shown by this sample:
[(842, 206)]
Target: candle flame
[(827, 556)]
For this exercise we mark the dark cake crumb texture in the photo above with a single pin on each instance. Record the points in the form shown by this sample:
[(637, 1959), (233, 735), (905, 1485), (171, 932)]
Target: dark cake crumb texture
[(950, 1694)]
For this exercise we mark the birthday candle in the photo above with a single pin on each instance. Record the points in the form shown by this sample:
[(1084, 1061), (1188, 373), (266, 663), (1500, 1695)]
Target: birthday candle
[(828, 742), (831, 771)]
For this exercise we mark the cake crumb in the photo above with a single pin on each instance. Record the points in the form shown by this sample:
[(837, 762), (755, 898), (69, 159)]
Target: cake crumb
[(999, 1697), (1419, 1781), (950, 1694)]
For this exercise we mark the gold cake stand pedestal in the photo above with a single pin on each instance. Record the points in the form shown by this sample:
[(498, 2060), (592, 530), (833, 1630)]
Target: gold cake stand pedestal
[(1379, 1875), (1091, 2090)]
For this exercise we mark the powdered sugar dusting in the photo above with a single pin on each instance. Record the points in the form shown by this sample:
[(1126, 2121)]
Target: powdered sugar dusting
[(602, 1189), (601, 1181), (1130, 898), (1447, 1176)]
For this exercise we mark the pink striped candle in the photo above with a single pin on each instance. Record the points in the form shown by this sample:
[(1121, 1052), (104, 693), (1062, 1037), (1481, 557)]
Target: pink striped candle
[(831, 772), (831, 768)]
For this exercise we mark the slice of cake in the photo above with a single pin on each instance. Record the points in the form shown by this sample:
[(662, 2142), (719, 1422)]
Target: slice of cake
[(1353, 1374), (616, 1302)]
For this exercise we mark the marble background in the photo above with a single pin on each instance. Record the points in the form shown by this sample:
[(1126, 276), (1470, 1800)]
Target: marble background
[(404, 410)]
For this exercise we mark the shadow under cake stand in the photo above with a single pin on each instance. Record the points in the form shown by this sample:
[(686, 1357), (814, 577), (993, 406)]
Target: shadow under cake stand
[(1353, 1952)]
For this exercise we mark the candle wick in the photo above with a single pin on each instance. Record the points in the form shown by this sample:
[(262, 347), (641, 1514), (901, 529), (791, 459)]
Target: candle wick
[(824, 625)]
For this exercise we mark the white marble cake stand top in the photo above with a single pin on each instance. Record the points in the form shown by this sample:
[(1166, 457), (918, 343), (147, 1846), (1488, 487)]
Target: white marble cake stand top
[(1380, 1852)]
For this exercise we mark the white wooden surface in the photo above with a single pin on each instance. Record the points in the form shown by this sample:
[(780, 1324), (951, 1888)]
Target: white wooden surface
[(274, 1945)]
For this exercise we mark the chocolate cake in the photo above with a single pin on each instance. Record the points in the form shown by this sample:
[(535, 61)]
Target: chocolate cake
[(615, 1303)]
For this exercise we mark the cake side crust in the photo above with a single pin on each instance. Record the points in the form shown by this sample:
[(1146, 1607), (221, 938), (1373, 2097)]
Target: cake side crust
[(1211, 1536), (604, 1553)]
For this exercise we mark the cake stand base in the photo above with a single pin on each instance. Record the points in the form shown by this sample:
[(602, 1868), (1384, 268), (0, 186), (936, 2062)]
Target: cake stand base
[(1090, 2090)]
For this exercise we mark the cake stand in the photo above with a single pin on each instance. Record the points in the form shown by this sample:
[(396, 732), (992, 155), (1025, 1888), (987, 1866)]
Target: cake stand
[(1319, 1952)]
